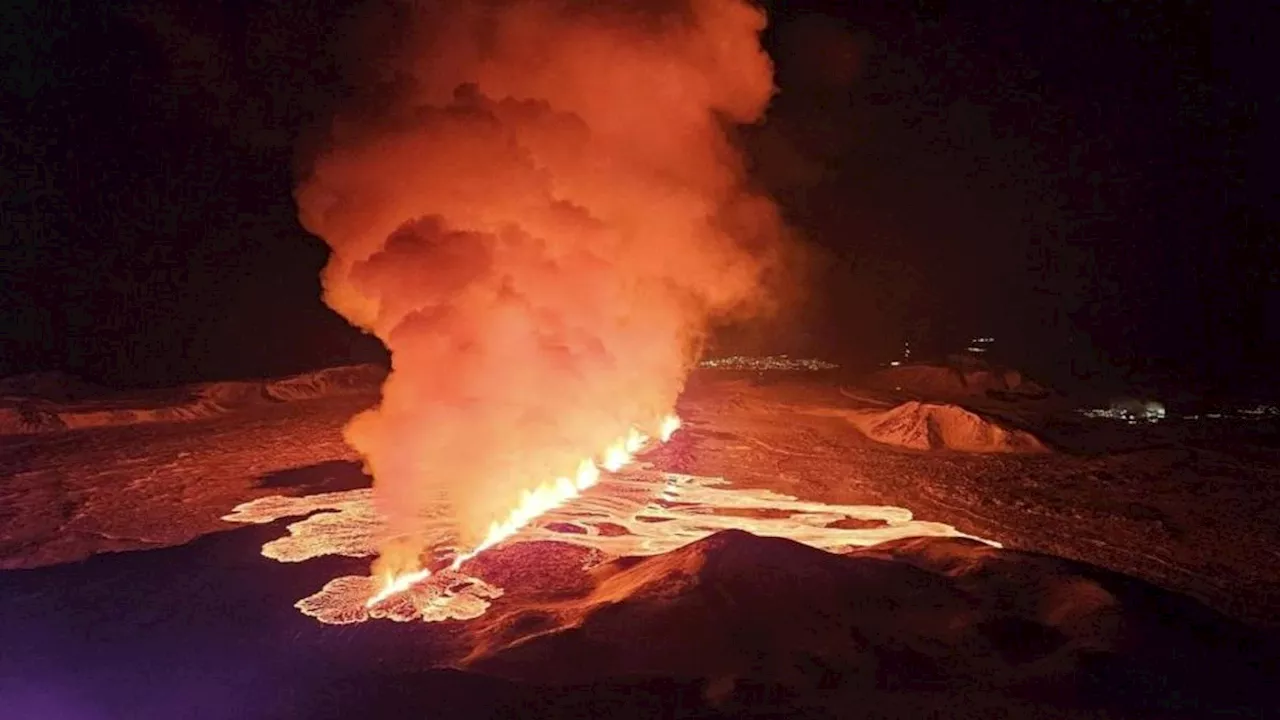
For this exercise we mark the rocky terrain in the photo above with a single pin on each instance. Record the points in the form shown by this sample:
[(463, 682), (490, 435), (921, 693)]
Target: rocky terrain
[(1136, 573)]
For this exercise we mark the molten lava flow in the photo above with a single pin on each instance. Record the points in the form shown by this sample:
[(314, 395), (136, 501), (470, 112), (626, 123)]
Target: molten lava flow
[(669, 427), (588, 474), (646, 512), (397, 584), (615, 457), (551, 495), (546, 497)]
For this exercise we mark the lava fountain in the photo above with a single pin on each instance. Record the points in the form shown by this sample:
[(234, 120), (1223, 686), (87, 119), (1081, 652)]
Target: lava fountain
[(533, 504), (537, 207)]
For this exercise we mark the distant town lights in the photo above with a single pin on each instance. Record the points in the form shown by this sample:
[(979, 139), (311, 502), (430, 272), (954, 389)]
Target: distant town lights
[(980, 344)]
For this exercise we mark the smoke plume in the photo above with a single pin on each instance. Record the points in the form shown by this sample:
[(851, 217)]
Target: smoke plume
[(537, 206)]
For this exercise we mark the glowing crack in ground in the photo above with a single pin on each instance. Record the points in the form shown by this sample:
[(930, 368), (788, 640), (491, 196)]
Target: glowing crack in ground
[(656, 512)]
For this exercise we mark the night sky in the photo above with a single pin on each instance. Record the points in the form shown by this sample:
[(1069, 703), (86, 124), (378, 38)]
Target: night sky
[(1089, 182)]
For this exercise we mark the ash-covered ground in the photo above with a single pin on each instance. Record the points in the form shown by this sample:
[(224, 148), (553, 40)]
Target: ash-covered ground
[(1138, 571)]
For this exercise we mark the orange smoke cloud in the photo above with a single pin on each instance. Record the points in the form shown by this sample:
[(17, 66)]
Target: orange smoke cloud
[(540, 219)]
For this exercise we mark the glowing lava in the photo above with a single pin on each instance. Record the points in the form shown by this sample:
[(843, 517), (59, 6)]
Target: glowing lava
[(398, 584), (534, 503), (657, 513), (670, 425)]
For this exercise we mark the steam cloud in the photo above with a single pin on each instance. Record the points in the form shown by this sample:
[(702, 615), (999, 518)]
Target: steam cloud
[(539, 210)]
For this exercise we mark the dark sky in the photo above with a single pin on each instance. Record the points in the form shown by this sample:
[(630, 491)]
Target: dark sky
[(1087, 181)]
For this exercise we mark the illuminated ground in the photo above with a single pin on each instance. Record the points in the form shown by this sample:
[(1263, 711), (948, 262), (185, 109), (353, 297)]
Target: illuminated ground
[(1192, 509), (638, 512)]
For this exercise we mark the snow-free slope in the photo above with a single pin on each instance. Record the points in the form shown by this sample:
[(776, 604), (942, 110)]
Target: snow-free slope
[(945, 382), (50, 402), (949, 616), (938, 426)]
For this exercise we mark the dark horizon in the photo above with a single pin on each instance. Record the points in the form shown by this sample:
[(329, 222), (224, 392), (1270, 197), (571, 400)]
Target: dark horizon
[(1087, 182)]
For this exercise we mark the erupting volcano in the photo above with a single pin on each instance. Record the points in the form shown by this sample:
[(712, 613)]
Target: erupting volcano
[(533, 504), (536, 205)]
